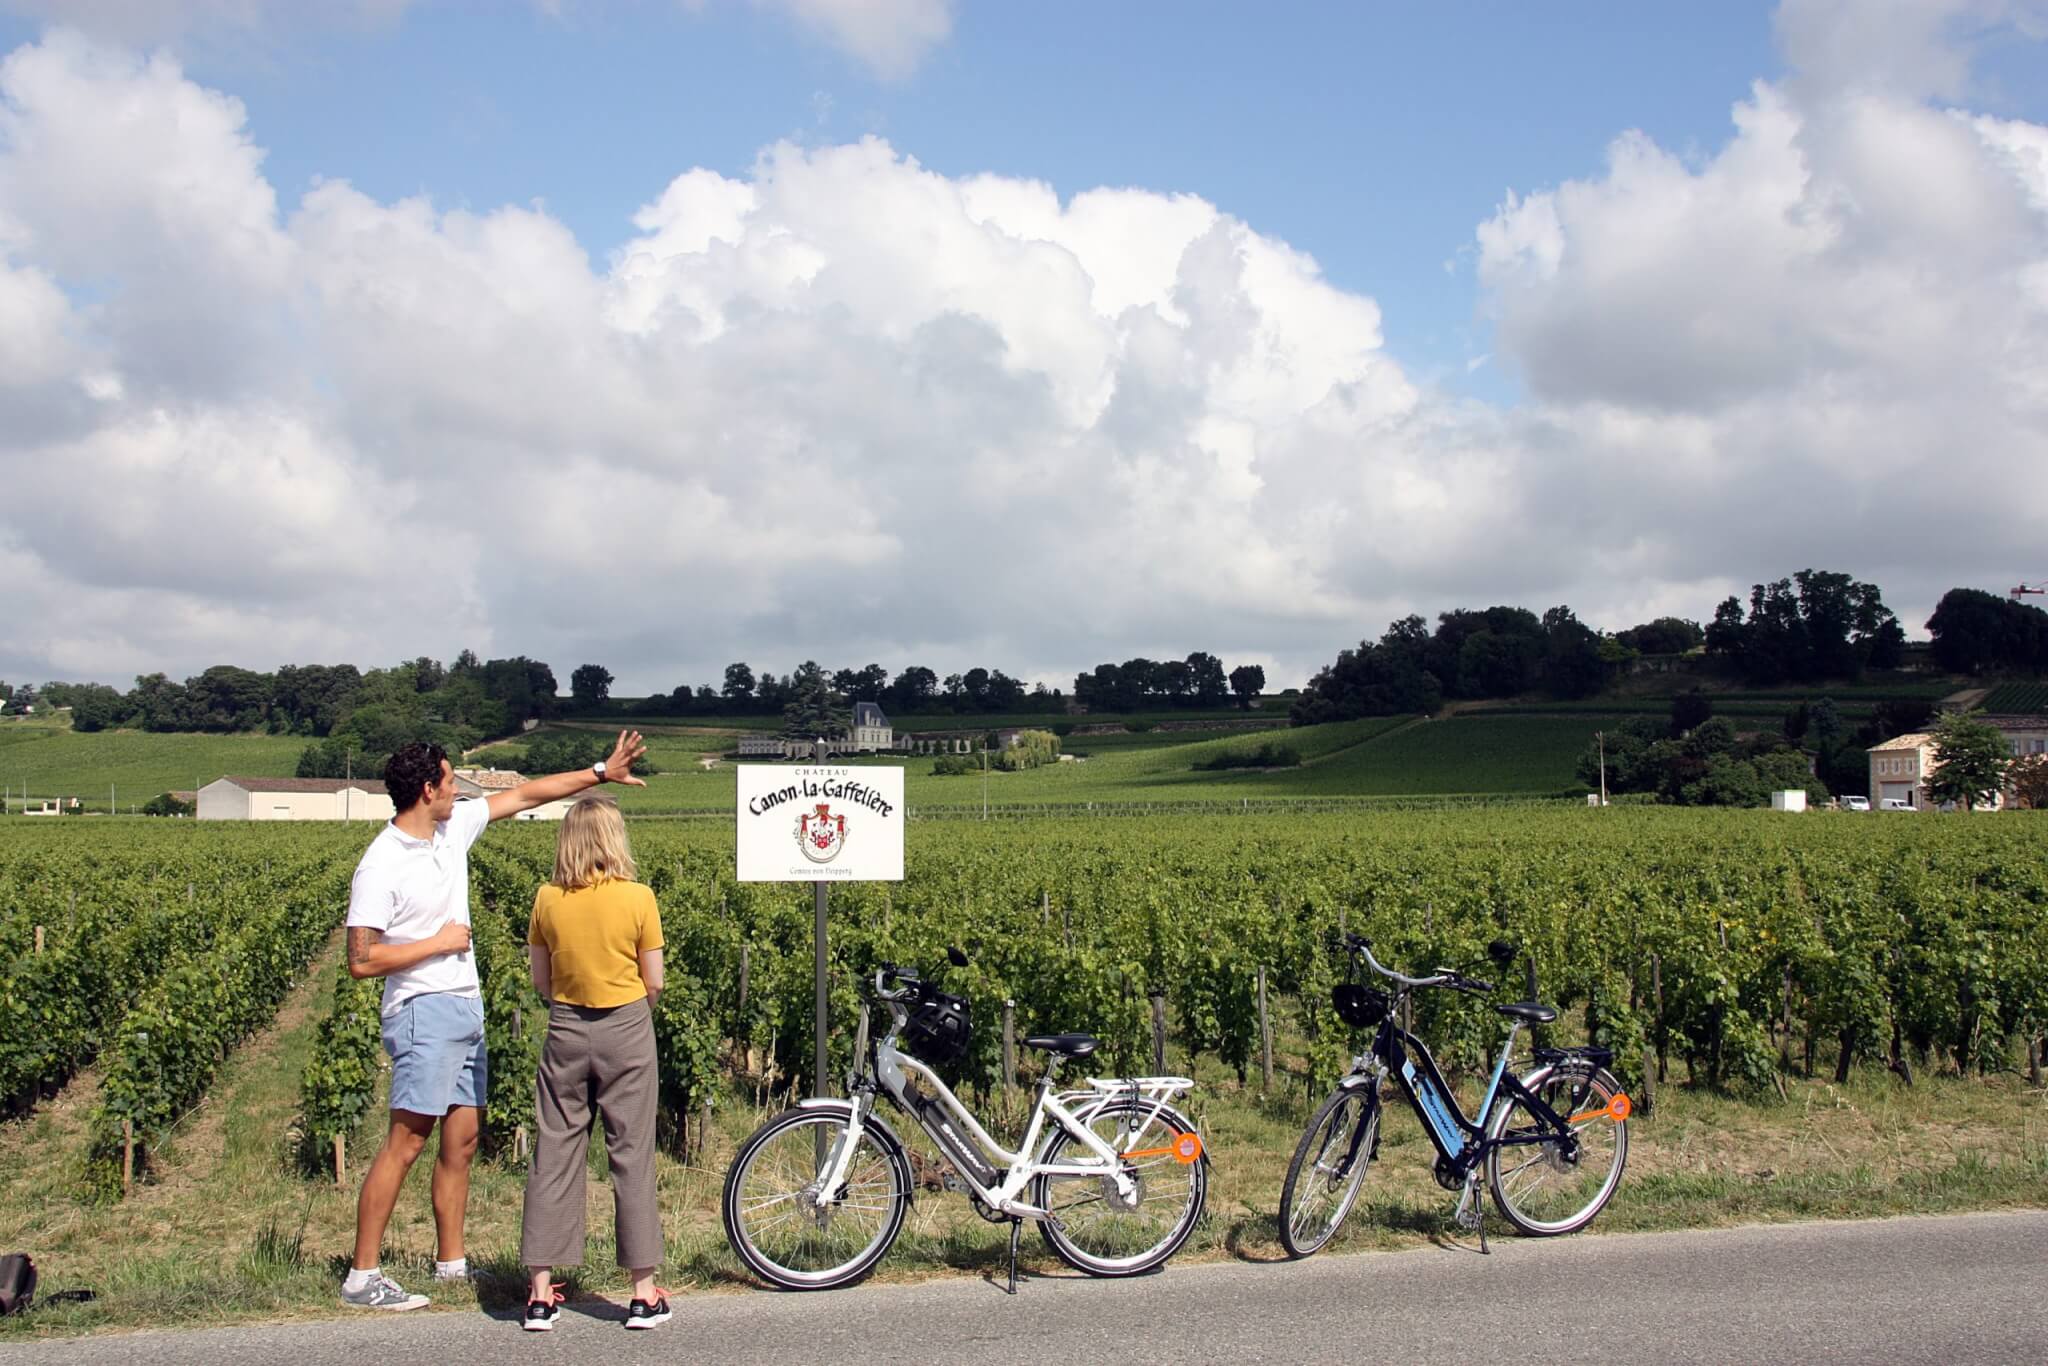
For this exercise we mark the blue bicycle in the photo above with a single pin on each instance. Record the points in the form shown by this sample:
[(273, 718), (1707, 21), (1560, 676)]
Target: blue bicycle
[(1551, 1142)]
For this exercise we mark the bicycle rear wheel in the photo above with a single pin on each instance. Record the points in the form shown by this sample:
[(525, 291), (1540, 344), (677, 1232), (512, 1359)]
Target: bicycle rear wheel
[(1093, 1228), (1328, 1168), (778, 1224), (1549, 1185)]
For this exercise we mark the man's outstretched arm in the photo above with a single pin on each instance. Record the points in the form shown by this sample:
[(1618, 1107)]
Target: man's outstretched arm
[(618, 768)]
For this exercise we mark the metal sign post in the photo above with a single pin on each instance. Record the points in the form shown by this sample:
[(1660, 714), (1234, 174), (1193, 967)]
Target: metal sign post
[(821, 893)]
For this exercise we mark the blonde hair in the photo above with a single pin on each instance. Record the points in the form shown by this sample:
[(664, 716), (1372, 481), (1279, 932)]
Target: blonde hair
[(592, 847)]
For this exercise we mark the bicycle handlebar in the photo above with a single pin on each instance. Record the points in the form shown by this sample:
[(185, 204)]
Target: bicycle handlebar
[(1442, 977), (888, 972)]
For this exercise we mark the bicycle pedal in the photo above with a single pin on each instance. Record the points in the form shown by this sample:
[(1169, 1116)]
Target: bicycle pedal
[(1467, 1219)]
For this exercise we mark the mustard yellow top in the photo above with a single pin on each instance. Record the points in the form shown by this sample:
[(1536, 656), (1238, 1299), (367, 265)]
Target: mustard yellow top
[(594, 937)]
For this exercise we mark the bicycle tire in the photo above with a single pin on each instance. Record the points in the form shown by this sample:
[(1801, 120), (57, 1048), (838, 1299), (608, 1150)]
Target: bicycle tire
[(1589, 1179), (879, 1166), (1158, 1173), (1350, 1113)]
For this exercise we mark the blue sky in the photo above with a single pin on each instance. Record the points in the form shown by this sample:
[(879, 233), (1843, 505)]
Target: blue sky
[(1621, 307)]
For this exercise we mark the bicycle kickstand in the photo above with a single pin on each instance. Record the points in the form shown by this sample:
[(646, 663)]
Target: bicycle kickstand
[(1016, 1227), (1472, 1212)]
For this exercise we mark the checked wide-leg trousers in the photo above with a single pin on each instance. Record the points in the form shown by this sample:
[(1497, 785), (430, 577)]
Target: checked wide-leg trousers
[(600, 1060)]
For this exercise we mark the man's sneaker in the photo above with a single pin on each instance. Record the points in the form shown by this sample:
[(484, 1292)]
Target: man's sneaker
[(458, 1271), (541, 1314), (641, 1314), (381, 1293)]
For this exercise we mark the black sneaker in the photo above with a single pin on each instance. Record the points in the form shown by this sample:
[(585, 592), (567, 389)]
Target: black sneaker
[(541, 1314), (641, 1314)]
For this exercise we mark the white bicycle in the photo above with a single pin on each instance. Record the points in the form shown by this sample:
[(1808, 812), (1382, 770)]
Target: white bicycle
[(1114, 1176)]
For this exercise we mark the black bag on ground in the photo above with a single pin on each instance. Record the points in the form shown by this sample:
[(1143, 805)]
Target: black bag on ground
[(17, 1283)]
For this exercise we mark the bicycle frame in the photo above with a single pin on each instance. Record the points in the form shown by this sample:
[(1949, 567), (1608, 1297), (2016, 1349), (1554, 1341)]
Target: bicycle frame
[(977, 1157), (1460, 1142)]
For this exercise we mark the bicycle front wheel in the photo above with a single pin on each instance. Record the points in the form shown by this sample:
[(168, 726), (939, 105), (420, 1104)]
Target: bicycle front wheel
[(793, 1235), (1094, 1228), (1328, 1168), (1547, 1184)]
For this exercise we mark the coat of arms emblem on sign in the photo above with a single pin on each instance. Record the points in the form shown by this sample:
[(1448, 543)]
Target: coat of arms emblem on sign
[(821, 834)]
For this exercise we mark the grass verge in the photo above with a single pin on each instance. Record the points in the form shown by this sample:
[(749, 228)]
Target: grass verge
[(226, 1233)]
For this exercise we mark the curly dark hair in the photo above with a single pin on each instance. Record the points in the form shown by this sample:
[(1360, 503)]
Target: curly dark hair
[(408, 772)]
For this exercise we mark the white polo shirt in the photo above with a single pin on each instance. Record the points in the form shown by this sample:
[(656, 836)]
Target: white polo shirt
[(409, 888)]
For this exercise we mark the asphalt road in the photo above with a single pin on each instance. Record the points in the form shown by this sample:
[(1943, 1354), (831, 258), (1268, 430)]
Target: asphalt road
[(1959, 1290)]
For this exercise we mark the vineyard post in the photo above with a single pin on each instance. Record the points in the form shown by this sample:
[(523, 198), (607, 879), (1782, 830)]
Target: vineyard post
[(340, 1161), (39, 941), (1044, 909), (1785, 1026), (1265, 1036), (127, 1154), (1009, 1051), (1158, 1032), (1657, 1000)]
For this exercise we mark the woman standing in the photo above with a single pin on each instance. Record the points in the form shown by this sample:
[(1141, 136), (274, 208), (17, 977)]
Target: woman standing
[(595, 946)]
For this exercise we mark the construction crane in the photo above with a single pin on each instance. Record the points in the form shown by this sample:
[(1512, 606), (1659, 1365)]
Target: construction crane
[(2038, 586)]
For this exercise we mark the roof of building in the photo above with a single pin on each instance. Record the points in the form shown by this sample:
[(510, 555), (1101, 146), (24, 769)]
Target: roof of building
[(491, 779), (305, 784), (2016, 721), (868, 714), (1917, 740)]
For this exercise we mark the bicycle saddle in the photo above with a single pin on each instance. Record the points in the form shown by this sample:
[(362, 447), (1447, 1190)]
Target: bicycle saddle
[(1068, 1045), (1529, 1012)]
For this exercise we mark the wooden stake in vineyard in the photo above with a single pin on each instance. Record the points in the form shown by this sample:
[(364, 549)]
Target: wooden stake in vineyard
[(1265, 1036), (1158, 1032), (1009, 1052)]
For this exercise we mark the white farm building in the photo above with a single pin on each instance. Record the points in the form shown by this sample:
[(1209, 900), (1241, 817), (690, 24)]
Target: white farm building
[(294, 799)]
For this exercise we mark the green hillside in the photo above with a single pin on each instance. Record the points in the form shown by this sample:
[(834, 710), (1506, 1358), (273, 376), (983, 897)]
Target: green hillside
[(51, 762), (1493, 752)]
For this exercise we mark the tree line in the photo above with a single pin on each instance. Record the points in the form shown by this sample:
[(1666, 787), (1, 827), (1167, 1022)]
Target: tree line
[(742, 691), (353, 718), (1816, 625), (1135, 685)]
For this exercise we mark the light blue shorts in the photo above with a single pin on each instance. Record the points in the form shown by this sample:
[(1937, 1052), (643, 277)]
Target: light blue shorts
[(436, 1043)]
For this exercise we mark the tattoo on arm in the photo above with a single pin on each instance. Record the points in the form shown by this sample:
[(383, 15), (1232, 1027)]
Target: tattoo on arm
[(361, 939)]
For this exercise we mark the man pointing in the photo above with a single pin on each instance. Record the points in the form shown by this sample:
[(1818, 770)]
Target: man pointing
[(408, 922)]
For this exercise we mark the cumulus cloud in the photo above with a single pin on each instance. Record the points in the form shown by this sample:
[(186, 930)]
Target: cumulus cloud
[(1829, 324), (842, 406)]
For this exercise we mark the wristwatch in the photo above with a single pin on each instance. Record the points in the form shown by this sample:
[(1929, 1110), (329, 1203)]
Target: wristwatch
[(598, 769)]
